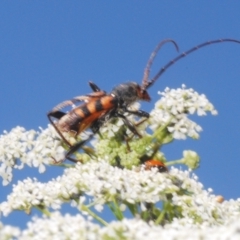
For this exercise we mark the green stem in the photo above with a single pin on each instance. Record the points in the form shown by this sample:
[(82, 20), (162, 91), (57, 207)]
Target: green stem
[(115, 209), (118, 212), (65, 165), (43, 210), (91, 213), (145, 215), (159, 130), (161, 216), (132, 208), (179, 161)]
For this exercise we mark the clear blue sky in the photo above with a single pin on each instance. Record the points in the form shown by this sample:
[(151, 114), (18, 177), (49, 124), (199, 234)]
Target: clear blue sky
[(49, 50)]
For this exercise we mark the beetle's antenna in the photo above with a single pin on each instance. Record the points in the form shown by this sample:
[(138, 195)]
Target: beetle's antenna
[(146, 73), (182, 55)]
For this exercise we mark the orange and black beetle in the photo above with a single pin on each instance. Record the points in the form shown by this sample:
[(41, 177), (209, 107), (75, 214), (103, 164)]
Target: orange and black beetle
[(98, 107)]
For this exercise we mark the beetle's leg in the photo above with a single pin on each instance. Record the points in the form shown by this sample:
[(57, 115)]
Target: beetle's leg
[(95, 128), (94, 87), (58, 115), (139, 113), (75, 147), (128, 123), (136, 125)]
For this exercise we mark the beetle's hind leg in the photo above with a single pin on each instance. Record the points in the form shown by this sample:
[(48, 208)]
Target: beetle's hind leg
[(95, 128), (58, 114)]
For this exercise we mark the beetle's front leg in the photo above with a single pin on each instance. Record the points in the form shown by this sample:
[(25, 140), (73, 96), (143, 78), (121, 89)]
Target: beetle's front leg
[(139, 113)]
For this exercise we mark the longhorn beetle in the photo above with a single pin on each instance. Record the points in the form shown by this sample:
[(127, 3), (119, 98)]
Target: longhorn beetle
[(98, 106)]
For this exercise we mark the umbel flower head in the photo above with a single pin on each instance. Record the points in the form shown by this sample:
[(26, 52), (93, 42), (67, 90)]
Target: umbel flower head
[(112, 173), (168, 121), (59, 226)]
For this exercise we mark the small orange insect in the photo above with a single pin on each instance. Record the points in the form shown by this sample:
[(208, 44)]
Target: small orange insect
[(157, 164)]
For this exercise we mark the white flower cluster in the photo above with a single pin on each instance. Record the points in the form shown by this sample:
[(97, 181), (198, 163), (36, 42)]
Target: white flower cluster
[(27, 147), (200, 206), (103, 183), (137, 229), (76, 227), (173, 109), (13, 145), (97, 179), (8, 232)]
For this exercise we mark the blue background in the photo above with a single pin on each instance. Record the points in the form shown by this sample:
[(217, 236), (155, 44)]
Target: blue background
[(49, 50)]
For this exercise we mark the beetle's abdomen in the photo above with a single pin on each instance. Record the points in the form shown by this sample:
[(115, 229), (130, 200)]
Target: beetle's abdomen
[(83, 116)]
